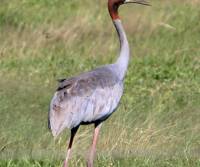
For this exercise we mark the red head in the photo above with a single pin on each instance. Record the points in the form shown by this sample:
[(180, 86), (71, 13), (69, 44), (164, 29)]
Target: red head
[(113, 6)]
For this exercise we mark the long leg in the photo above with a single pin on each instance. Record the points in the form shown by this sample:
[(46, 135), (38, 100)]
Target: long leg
[(73, 133), (93, 147)]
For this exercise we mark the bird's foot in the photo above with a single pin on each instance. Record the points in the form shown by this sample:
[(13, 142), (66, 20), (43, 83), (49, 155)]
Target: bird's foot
[(89, 164), (65, 164)]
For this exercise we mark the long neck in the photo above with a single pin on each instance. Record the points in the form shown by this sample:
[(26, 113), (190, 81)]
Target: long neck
[(123, 59)]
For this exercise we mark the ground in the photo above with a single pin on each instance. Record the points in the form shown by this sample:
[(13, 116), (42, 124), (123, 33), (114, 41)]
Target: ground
[(157, 123)]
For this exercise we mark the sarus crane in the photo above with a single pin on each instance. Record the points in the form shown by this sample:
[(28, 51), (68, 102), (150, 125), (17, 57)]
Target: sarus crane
[(91, 97)]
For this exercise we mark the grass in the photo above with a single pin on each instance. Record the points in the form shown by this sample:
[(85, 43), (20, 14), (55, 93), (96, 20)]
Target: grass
[(157, 123)]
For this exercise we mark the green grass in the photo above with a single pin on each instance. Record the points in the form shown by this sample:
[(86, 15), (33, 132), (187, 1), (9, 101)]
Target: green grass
[(106, 162), (157, 123)]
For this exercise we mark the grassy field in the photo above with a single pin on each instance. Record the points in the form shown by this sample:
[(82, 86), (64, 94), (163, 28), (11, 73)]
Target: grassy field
[(158, 121)]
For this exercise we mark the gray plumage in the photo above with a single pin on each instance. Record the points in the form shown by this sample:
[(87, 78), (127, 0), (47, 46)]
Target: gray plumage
[(84, 99), (92, 96)]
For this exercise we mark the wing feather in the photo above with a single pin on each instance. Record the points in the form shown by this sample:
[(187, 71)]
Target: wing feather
[(86, 83), (84, 98)]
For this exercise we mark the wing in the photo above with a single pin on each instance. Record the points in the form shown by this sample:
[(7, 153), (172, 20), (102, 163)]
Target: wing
[(86, 83), (78, 98)]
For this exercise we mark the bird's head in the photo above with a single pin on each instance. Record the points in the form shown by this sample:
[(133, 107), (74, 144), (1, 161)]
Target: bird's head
[(113, 6)]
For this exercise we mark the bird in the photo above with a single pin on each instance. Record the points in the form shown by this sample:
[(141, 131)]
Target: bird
[(91, 97)]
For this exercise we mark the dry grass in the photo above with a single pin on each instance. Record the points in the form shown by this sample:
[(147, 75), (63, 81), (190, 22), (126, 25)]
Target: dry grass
[(159, 113)]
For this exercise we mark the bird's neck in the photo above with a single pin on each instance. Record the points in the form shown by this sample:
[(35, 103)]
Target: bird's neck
[(123, 59)]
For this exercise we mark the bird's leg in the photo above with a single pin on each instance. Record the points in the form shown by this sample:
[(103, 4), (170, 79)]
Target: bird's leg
[(93, 147), (73, 133)]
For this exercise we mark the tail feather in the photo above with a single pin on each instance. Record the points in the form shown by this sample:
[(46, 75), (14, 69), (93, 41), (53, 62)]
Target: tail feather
[(49, 124)]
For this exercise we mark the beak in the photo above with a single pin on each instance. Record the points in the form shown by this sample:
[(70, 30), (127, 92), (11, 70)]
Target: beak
[(141, 2)]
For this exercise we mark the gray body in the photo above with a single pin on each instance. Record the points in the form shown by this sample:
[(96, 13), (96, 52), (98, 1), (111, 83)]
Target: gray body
[(92, 96)]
